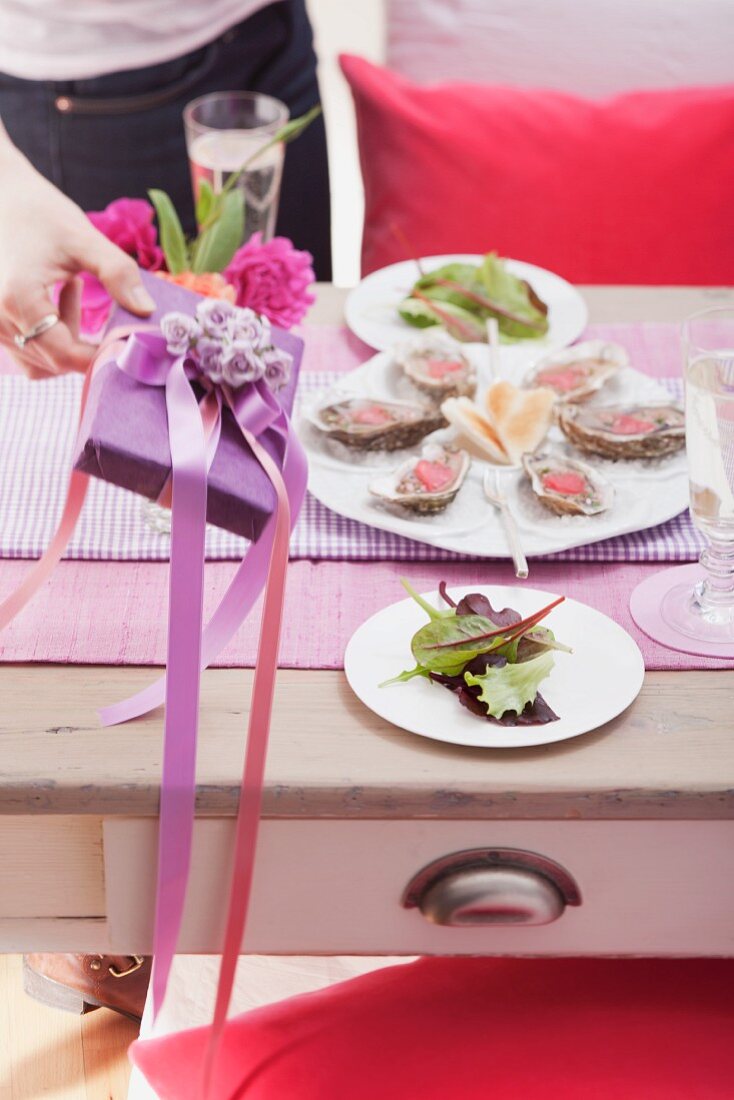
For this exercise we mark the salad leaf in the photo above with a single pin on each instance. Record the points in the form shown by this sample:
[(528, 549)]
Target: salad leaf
[(409, 674), (459, 323), (431, 612), (477, 604), (447, 644), (511, 686), (461, 296), (537, 641), (501, 285)]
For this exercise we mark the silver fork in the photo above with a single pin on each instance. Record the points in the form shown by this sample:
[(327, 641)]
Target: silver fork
[(494, 494)]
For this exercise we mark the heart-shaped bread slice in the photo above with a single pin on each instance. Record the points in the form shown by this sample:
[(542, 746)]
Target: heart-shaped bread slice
[(520, 418)]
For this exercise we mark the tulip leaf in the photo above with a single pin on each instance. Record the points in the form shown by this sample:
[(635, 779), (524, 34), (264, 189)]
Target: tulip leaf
[(217, 244), (172, 237), (204, 201)]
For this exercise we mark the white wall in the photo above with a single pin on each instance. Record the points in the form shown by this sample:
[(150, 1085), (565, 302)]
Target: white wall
[(345, 26)]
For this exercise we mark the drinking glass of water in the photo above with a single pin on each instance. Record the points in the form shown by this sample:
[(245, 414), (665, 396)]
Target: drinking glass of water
[(705, 612), (224, 131)]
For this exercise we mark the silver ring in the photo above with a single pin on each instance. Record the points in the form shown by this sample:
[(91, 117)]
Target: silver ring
[(47, 322)]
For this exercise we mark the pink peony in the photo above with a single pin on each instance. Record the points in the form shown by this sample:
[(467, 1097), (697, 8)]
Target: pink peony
[(273, 279), (128, 223)]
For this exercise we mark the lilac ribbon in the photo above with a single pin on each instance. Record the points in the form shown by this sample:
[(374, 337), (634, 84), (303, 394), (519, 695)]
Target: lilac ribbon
[(255, 409)]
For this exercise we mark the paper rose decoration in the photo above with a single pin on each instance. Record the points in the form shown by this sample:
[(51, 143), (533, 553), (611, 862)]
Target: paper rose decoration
[(228, 344)]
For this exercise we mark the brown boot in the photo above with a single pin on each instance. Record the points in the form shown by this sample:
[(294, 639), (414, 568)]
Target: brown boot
[(81, 983)]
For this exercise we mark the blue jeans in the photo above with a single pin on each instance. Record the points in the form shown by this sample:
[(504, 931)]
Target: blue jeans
[(123, 133)]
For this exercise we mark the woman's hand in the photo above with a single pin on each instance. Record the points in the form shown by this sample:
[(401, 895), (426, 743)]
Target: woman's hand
[(46, 239)]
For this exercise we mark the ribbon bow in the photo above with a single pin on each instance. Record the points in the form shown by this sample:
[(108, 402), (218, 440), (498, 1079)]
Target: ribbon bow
[(194, 428)]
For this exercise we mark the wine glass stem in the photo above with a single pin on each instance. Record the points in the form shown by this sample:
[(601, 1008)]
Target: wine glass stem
[(716, 591)]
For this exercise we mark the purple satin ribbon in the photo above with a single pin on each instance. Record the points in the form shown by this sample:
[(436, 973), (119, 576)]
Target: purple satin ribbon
[(255, 409)]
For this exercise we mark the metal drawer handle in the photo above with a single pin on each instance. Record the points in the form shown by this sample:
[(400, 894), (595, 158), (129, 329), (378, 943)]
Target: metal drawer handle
[(492, 886)]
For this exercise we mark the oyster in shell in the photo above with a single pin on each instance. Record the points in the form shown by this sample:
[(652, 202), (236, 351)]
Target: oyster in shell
[(575, 373), (437, 366), (625, 431), (567, 486), (426, 483), (370, 424)]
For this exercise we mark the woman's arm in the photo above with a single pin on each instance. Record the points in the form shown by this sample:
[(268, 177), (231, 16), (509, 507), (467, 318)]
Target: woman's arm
[(46, 239)]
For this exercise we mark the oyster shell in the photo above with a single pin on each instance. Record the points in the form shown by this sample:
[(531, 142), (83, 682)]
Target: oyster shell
[(575, 373), (437, 366), (370, 424), (567, 486), (625, 431), (426, 483)]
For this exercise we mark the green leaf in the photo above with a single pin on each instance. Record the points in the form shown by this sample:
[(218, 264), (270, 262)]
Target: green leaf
[(204, 201), (511, 687), (217, 245), (418, 314), (460, 633), (410, 674), (512, 293), (431, 612), (173, 241), (537, 641), (458, 322)]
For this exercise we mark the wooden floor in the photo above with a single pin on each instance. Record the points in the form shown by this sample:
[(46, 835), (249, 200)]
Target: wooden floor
[(46, 1054)]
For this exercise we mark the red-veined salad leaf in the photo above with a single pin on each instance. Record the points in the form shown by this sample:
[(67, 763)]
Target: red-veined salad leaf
[(460, 297), (493, 660)]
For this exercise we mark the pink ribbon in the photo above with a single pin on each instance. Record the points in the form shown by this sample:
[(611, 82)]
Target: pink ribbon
[(194, 433)]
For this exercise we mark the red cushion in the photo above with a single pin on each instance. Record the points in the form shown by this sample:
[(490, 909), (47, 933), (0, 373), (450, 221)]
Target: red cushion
[(477, 1029), (633, 189)]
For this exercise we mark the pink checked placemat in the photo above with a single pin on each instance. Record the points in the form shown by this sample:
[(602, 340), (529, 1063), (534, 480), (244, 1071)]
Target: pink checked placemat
[(36, 436)]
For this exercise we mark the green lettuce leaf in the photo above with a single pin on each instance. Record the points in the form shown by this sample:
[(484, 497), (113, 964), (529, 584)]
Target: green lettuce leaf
[(511, 687), (420, 315), (507, 290), (409, 674), (431, 612), (460, 633)]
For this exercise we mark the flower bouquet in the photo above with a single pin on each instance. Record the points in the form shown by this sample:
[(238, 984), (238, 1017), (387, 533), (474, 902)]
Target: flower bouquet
[(270, 277)]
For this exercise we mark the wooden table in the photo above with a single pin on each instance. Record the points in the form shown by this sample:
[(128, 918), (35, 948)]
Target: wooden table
[(640, 813)]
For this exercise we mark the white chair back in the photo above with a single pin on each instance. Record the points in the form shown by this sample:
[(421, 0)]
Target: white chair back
[(592, 48)]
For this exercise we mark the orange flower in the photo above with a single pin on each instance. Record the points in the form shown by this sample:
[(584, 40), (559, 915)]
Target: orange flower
[(209, 283)]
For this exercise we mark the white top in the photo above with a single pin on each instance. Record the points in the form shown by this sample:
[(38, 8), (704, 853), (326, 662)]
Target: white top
[(76, 39)]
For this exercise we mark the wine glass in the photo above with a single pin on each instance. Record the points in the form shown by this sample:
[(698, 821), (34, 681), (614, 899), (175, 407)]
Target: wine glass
[(225, 130), (704, 612)]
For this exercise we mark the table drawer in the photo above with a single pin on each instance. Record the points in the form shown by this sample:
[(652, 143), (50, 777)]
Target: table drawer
[(335, 887)]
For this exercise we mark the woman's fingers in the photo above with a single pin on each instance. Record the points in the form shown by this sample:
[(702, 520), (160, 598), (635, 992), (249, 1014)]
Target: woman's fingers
[(117, 272), (70, 306), (29, 304)]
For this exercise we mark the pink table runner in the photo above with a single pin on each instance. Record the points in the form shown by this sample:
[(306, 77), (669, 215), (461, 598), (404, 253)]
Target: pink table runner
[(112, 613)]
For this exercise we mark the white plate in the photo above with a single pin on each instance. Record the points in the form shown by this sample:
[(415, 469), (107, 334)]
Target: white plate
[(586, 688), (371, 308), (646, 493)]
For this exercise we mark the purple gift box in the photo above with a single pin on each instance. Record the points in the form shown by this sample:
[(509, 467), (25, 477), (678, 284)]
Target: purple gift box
[(125, 435)]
